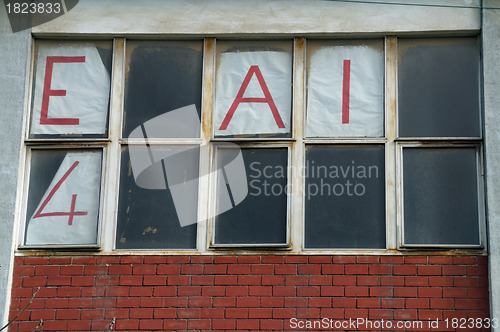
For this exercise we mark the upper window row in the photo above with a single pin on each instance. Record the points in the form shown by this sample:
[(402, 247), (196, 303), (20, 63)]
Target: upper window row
[(438, 84)]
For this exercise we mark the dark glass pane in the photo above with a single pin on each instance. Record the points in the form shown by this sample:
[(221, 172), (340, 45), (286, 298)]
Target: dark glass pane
[(440, 196), (345, 197), (161, 76), (261, 218), (438, 87), (151, 208)]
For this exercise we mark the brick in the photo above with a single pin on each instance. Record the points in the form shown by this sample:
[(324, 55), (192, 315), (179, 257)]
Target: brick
[(405, 291), (285, 269), (368, 280), (247, 302), (392, 303), (454, 270), (391, 259), (272, 259), (180, 302), (440, 281), (199, 324), (68, 291), (55, 325), (260, 290), (416, 281), (381, 291), (174, 324), (224, 324), (192, 269), (107, 280), (47, 292), (185, 290), (416, 260), (465, 282), (322, 280), (202, 280), (248, 259), (378, 314), (42, 270), (80, 302), (225, 259), (465, 260), (34, 281), (82, 281), (189, 313), (283, 313), (249, 280), (262, 313), (20, 292), (272, 302), (308, 269), (296, 302), (178, 280), (467, 304), (344, 280), (107, 259), (355, 313), (45, 314), (404, 270), (151, 302), (224, 302), (168, 269), (312, 313), (477, 270), (128, 302), (92, 291), (407, 314), (92, 314), (130, 280), (272, 280), (213, 290), (212, 313), (95, 270), (67, 314), (199, 302), (72, 270), (215, 269), (380, 269), (56, 303), (420, 303), (442, 304), (150, 324), (105, 302), (356, 269), (344, 259), (272, 324), (309, 290), (226, 280), (84, 260), (356, 291), (440, 260), (144, 269), (117, 313), (456, 292), (236, 313), (36, 260), (131, 259), (237, 291), (238, 269), (320, 302), (155, 259), (430, 292), (164, 291), (368, 259), (332, 269), (302, 259), (480, 293), (347, 302), (429, 270), (141, 291), (430, 314), (329, 291), (284, 291), (117, 291), (368, 303), (261, 269)]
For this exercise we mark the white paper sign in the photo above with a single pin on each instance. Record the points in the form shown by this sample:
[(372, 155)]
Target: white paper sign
[(68, 211), (345, 95), (253, 93), (71, 91)]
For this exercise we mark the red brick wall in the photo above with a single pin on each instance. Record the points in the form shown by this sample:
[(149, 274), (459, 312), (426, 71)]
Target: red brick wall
[(242, 292)]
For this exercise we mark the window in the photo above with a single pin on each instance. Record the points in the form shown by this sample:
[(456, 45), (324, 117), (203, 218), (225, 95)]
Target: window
[(284, 144)]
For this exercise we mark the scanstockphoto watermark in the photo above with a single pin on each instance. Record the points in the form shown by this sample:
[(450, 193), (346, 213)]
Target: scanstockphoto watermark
[(320, 180)]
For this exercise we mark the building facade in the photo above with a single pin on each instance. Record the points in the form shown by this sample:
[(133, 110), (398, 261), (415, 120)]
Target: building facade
[(259, 165)]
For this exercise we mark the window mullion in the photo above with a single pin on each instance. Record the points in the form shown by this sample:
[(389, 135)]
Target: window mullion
[(111, 172), (390, 147)]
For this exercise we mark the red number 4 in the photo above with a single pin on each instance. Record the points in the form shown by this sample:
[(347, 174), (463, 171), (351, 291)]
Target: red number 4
[(72, 212)]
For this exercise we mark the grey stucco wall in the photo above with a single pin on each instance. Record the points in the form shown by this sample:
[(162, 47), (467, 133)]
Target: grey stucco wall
[(491, 63), (13, 59)]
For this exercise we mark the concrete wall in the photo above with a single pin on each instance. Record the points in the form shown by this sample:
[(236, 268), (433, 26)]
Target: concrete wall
[(13, 61), (491, 63)]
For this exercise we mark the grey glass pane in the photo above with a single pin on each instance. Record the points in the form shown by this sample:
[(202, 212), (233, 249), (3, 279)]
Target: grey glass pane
[(440, 196), (161, 76), (261, 218), (150, 208), (345, 197), (438, 87)]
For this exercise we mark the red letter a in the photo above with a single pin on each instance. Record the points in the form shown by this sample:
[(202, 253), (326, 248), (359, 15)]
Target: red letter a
[(239, 98)]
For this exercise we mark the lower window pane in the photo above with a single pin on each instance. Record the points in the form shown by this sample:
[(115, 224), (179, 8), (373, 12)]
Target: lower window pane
[(345, 197), (63, 197), (440, 196), (261, 216), (158, 201)]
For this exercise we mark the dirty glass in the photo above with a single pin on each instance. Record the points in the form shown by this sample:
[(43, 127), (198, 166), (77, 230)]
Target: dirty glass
[(253, 89), (71, 89), (261, 218), (344, 197), (161, 77), (440, 196), (158, 198), (438, 87), (63, 197)]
